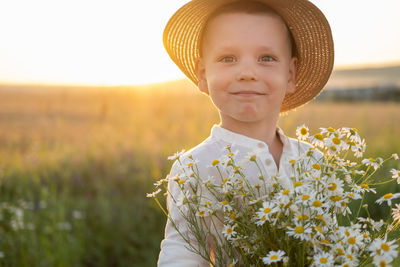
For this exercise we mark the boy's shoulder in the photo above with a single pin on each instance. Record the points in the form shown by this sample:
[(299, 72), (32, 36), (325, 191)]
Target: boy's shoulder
[(206, 149)]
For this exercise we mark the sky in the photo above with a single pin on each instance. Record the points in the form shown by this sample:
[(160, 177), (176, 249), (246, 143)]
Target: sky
[(119, 42)]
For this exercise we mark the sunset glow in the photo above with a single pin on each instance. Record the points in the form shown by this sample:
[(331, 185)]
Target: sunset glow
[(120, 42)]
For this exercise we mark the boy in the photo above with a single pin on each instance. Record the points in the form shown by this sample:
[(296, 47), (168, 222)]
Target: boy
[(254, 59)]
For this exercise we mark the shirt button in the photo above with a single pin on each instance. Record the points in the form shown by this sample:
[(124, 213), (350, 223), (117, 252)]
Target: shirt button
[(260, 145), (268, 162)]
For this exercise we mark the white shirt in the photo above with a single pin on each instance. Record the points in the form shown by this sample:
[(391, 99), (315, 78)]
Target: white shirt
[(173, 248)]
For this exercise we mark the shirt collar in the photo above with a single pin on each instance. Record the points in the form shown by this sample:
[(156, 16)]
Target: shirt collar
[(218, 132)]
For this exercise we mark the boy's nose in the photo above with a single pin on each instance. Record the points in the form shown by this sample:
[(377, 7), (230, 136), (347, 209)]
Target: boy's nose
[(247, 72)]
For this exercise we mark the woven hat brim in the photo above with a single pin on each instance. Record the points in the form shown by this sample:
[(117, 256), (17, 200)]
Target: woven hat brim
[(308, 25)]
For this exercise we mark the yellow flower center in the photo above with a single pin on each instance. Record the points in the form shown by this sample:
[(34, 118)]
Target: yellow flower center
[(352, 240), (364, 186), (229, 230), (298, 183), (366, 235), (303, 131), (274, 257), (351, 143), (332, 186), (305, 197), (230, 155), (318, 136), (382, 264), (299, 230), (351, 195), (333, 148), (335, 198), (350, 257), (207, 203), (336, 140), (263, 218), (190, 164), (267, 210), (224, 202), (330, 129), (285, 192), (389, 195), (339, 251), (232, 216), (181, 181), (317, 203), (302, 216), (385, 247), (215, 162), (325, 241), (316, 166), (201, 213), (323, 260), (292, 161)]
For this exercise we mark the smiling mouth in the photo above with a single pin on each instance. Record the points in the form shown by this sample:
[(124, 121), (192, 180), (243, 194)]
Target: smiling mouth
[(247, 93)]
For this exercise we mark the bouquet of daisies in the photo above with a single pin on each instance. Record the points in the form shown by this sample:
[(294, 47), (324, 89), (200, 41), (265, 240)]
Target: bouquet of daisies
[(309, 223)]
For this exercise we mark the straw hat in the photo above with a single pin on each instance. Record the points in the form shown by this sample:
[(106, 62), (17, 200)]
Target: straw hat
[(308, 25)]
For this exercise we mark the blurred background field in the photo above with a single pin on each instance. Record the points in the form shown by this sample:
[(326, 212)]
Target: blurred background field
[(76, 164)]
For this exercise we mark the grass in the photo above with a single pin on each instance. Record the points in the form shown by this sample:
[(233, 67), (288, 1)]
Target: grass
[(75, 166)]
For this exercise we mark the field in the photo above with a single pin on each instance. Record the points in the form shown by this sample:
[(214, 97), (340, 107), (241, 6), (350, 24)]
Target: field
[(76, 164)]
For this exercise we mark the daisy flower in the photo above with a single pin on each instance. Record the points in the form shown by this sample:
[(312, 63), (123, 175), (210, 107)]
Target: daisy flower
[(176, 155), (334, 186), (359, 148), (229, 231), (384, 260), (388, 198), (328, 131), (273, 256), (376, 226), (201, 212), (154, 193), (225, 206), (302, 132), (396, 213), (351, 133), (362, 188), (352, 237), (264, 213), (317, 140), (396, 175), (332, 148), (323, 259), (300, 231), (372, 162), (350, 258), (383, 248), (395, 156)]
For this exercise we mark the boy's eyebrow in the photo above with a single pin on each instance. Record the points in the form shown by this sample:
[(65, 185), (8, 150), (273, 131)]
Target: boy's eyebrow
[(230, 48)]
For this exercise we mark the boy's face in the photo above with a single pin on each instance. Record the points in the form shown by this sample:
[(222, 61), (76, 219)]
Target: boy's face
[(247, 66)]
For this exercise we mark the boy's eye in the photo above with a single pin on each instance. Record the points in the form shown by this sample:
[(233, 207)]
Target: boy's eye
[(266, 59), (227, 59)]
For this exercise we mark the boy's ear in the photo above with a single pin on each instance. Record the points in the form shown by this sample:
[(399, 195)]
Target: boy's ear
[(291, 87), (201, 76)]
